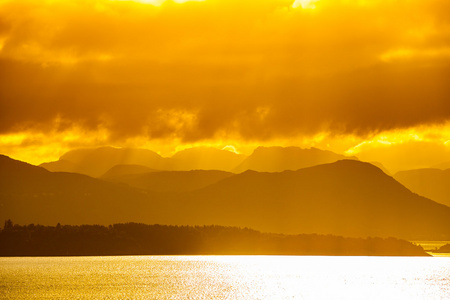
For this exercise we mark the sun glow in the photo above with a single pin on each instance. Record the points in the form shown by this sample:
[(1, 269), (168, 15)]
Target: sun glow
[(404, 54), (388, 139), (306, 4), (2, 44), (160, 2), (230, 148), (412, 148)]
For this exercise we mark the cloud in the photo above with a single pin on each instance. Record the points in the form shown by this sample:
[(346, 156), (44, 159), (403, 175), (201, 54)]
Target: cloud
[(254, 70), (407, 155), (414, 148)]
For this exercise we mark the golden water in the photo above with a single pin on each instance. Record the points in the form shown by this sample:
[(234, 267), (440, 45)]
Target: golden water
[(225, 277), (430, 245)]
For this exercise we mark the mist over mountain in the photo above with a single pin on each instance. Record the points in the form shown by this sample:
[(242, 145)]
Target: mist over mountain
[(60, 165), (348, 198), (442, 166), (278, 159), (172, 181), (381, 167), (119, 171), (96, 162), (204, 158), (431, 183)]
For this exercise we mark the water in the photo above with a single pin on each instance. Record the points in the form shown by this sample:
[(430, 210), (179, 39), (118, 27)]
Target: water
[(225, 277), (430, 245)]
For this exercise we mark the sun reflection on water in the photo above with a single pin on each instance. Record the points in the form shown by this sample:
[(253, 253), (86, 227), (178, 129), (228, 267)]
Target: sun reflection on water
[(225, 277)]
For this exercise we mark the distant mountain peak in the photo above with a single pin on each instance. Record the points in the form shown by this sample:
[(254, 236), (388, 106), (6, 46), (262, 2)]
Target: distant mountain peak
[(8, 165), (278, 159)]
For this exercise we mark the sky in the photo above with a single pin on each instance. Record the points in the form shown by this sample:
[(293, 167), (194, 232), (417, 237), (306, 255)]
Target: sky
[(369, 78)]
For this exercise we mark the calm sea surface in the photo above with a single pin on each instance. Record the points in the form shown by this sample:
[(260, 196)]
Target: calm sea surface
[(225, 277)]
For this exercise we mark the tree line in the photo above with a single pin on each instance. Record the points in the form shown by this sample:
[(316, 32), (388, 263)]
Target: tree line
[(142, 239)]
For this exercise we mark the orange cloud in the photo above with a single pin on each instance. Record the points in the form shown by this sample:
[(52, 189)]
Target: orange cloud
[(254, 71)]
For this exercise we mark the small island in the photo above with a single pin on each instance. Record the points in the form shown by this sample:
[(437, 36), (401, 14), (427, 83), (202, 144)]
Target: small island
[(142, 239)]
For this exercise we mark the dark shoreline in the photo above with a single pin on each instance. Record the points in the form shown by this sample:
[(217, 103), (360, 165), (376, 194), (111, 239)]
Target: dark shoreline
[(443, 249), (160, 255), (133, 239)]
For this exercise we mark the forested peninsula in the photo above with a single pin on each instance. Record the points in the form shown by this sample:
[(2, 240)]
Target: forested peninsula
[(443, 249), (142, 239)]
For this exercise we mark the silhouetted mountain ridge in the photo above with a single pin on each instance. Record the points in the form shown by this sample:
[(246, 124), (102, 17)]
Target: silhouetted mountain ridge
[(97, 162), (348, 198), (33, 194)]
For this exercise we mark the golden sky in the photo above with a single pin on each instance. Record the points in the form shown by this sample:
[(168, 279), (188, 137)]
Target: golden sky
[(369, 78)]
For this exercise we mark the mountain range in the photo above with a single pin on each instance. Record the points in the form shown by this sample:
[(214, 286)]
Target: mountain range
[(278, 159), (99, 161), (96, 162), (347, 197)]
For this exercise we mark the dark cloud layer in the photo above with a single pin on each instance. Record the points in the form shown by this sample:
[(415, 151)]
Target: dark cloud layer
[(251, 69)]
